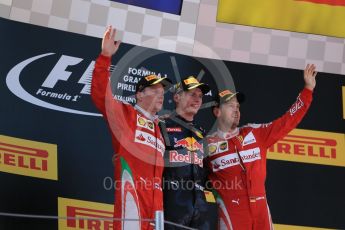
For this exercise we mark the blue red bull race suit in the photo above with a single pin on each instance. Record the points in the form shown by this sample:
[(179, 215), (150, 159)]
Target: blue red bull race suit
[(185, 177)]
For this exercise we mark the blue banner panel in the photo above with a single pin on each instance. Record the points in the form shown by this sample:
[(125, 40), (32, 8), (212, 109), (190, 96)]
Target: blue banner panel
[(168, 6)]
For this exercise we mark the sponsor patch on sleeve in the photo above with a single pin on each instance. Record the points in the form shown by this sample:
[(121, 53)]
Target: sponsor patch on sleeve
[(145, 123), (149, 140), (218, 147), (249, 139)]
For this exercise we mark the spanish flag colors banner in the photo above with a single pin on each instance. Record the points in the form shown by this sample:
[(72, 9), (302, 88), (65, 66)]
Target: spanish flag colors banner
[(324, 17), (294, 227)]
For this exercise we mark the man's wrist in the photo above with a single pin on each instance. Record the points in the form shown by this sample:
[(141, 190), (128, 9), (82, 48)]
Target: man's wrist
[(311, 88), (106, 54)]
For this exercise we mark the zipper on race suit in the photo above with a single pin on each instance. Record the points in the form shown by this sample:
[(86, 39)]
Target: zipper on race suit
[(241, 162)]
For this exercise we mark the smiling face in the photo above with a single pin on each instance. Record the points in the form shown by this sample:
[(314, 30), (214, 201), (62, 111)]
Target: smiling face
[(188, 103), (228, 114), (151, 98)]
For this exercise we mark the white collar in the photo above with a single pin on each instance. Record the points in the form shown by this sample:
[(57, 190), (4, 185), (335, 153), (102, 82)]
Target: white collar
[(227, 135), (146, 114)]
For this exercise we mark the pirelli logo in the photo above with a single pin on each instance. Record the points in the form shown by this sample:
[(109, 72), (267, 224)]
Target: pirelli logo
[(84, 215), (28, 158), (309, 146)]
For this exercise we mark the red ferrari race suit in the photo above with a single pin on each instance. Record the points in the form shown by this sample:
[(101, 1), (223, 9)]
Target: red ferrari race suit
[(139, 149), (237, 163)]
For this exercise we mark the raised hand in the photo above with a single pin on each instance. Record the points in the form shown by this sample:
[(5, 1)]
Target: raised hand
[(109, 45), (309, 76)]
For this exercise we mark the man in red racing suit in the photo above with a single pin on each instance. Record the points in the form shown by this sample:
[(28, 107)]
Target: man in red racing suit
[(237, 158), (136, 139)]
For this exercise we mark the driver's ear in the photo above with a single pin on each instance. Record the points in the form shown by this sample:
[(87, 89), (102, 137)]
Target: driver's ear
[(216, 111), (139, 96), (176, 97)]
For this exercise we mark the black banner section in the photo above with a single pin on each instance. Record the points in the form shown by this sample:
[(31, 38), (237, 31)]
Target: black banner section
[(45, 97)]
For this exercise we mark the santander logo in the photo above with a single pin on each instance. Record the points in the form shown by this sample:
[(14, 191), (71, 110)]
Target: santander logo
[(56, 90)]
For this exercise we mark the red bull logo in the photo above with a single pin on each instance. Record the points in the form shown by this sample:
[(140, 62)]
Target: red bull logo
[(189, 143), (190, 158)]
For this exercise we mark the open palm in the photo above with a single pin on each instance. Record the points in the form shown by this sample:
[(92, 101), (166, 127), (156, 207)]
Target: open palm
[(109, 45), (309, 76)]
